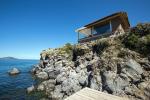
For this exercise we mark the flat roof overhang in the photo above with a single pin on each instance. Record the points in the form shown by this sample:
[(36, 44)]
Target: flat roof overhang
[(122, 15)]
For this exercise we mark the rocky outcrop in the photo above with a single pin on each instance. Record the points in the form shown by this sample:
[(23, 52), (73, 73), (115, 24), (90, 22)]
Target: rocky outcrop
[(104, 65), (14, 71), (30, 89), (42, 75)]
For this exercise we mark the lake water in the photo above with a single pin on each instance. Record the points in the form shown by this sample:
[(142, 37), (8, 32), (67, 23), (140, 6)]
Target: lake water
[(14, 87)]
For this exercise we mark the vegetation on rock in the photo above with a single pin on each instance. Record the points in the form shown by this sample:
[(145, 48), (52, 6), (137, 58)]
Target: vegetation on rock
[(100, 45), (138, 39)]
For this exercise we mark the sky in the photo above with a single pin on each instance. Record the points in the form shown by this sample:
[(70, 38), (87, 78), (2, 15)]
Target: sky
[(29, 26)]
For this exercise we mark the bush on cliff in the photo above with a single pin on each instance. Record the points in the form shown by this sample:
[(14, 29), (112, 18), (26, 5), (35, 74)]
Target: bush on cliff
[(141, 29), (138, 39), (100, 46), (67, 48), (79, 50)]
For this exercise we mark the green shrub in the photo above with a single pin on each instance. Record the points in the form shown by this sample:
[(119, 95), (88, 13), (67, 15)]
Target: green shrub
[(131, 41), (138, 39), (79, 50), (145, 45), (67, 48), (141, 29), (99, 46)]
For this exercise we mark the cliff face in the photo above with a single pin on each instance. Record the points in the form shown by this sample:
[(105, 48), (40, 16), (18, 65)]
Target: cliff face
[(119, 65)]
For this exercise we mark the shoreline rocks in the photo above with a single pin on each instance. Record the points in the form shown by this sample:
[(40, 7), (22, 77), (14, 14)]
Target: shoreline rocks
[(42, 75), (14, 71), (30, 89)]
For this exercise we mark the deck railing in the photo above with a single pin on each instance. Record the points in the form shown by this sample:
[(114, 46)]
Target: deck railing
[(97, 36), (94, 37)]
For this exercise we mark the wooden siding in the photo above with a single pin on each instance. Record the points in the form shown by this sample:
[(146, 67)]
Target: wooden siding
[(117, 25)]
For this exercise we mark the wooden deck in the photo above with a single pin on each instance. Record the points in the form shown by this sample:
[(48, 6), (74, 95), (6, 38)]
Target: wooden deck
[(94, 37), (90, 94)]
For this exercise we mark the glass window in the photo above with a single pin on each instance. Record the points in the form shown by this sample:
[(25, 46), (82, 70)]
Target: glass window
[(81, 36), (101, 29)]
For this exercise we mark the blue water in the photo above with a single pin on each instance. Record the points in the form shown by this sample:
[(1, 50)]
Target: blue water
[(14, 87)]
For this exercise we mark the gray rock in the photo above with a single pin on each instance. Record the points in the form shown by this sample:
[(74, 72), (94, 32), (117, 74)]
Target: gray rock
[(53, 74), (89, 56), (114, 84), (14, 71), (73, 74), (76, 88), (50, 81), (30, 89), (48, 69), (149, 58), (146, 66), (33, 70), (145, 89), (44, 99), (119, 85), (82, 80), (38, 71), (133, 70), (132, 64), (57, 94), (78, 69), (71, 84), (82, 66), (94, 84), (64, 69), (58, 65), (133, 90), (58, 88), (42, 75), (61, 77), (41, 64), (45, 61), (49, 85), (40, 87)]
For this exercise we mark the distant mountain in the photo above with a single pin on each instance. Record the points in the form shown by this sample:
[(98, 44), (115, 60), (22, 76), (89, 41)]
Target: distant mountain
[(8, 58)]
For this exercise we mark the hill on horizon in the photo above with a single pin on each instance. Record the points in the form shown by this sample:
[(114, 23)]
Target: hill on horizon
[(8, 58)]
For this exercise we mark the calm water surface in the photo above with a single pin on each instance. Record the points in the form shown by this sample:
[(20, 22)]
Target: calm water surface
[(14, 87)]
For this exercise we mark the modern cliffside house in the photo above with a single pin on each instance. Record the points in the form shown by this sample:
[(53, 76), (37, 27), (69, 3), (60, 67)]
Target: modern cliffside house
[(112, 24)]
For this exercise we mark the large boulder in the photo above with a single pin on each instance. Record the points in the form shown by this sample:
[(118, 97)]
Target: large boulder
[(146, 66), (58, 65), (71, 84), (42, 75), (14, 71), (49, 85), (40, 87), (82, 80), (57, 93), (30, 89), (136, 92), (145, 89), (132, 64), (133, 70), (94, 85), (61, 77), (113, 83), (35, 69)]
